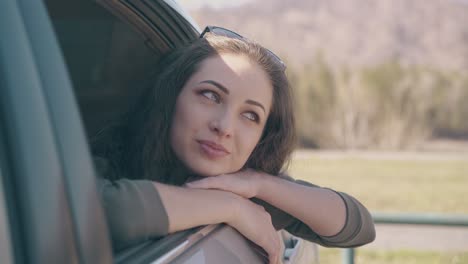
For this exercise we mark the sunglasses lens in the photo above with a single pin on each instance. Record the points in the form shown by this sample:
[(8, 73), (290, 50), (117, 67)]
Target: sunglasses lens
[(225, 32)]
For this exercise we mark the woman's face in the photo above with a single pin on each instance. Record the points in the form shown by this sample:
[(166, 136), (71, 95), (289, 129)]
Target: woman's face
[(220, 114)]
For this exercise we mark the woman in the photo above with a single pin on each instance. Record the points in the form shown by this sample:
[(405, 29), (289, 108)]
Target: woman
[(213, 130)]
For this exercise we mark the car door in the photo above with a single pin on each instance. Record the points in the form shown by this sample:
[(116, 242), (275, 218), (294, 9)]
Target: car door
[(48, 181)]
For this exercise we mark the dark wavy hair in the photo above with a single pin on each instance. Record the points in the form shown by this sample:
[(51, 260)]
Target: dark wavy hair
[(144, 150)]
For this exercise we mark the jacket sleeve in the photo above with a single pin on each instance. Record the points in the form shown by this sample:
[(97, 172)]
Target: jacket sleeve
[(357, 230), (133, 208)]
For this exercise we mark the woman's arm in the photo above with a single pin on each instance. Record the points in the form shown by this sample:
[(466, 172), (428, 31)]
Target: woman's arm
[(134, 211), (317, 214), (358, 227), (139, 209), (188, 208), (323, 210)]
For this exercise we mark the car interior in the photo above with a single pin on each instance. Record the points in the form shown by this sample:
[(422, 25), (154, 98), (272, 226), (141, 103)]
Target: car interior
[(105, 56)]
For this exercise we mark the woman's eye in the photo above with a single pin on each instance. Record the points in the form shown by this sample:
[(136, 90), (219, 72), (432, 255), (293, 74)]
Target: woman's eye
[(252, 116), (210, 95)]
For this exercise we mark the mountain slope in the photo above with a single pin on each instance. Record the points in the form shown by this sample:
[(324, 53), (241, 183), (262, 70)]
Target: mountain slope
[(354, 32)]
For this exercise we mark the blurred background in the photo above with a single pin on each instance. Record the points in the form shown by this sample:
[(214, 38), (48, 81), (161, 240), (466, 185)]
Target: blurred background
[(381, 91)]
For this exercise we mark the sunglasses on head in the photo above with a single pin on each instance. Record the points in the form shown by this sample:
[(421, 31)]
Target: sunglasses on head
[(231, 34)]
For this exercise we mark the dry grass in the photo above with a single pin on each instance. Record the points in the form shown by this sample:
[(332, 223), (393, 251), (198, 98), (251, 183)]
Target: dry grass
[(391, 183)]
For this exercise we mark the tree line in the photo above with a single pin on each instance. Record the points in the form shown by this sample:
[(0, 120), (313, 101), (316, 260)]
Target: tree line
[(385, 106)]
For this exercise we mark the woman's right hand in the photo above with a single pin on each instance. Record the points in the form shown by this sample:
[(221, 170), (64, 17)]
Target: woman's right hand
[(252, 221), (187, 208)]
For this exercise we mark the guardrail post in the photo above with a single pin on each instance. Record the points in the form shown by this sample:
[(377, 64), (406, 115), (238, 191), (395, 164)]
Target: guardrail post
[(348, 256), (433, 219)]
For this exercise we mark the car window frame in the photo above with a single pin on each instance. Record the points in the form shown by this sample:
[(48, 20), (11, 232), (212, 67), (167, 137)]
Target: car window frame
[(20, 77)]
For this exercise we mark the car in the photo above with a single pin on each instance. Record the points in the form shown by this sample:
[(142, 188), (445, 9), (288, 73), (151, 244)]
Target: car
[(67, 68)]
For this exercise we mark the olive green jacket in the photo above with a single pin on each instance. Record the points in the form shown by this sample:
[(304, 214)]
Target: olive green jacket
[(135, 213)]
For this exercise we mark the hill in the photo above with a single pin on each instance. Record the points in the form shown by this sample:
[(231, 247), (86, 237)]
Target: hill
[(353, 32)]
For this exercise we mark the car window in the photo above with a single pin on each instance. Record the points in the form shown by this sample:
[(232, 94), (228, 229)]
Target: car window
[(106, 58)]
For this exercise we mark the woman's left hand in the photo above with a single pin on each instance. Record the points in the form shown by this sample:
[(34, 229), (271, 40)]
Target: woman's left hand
[(244, 183)]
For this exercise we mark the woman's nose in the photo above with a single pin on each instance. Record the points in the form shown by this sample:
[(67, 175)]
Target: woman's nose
[(222, 125)]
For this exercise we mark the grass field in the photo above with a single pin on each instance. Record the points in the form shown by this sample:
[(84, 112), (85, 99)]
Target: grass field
[(392, 183)]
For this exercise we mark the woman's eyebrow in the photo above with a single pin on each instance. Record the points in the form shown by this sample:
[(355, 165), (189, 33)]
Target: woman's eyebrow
[(218, 85), (226, 91), (252, 102)]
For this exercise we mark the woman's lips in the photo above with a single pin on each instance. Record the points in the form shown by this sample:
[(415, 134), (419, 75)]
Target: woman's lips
[(212, 149)]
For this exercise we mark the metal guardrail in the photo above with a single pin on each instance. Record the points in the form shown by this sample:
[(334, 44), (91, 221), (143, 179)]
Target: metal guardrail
[(412, 219)]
